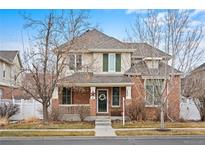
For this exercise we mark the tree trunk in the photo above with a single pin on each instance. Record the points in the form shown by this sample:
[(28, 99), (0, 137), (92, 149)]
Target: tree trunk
[(162, 117), (45, 113)]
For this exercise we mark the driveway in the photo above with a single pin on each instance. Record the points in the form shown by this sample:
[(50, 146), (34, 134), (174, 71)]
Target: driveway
[(190, 140)]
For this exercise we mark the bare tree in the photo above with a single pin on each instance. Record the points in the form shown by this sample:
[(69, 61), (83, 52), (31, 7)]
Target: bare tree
[(196, 90), (174, 32), (45, 62)]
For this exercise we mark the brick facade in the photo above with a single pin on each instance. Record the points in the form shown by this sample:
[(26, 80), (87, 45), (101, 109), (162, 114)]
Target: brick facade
[(173, 100), (7, 93), (138, 96)]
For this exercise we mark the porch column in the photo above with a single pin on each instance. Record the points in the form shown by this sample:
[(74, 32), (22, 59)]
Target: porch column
[(128, 92), (55, 100), (92, 101)]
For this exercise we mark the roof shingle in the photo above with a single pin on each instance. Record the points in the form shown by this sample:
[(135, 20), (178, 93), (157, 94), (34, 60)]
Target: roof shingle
[(7, 55)]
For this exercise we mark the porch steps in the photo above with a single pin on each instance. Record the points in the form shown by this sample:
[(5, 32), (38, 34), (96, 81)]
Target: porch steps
[(103, 121)]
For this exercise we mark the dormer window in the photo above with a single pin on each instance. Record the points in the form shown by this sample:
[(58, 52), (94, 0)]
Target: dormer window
[(75, 62), (111, 62), (152, 64)]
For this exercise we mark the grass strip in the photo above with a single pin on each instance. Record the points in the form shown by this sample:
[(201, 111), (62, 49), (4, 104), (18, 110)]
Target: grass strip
[(153, 124), (39, 125), (45, 133), (158, 133)]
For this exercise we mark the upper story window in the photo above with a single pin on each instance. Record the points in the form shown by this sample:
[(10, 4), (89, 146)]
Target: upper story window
[(75, 62), (154, 88), (111, 62), (4, 71)]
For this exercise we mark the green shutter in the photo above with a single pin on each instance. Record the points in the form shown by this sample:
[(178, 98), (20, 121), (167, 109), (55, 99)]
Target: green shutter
[(105, 62), (118, 62)]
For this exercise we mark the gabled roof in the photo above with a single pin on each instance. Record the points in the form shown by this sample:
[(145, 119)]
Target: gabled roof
[(146, 50), (199, 68), (96, 41), (8, 55), (141, 68)]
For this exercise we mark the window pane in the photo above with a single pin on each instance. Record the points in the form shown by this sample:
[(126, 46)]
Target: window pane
[(118, 62), (154, 91), (149, 94), (72, 62), (116, 96), (105, 62), (78, 62), (111, 63), (66, 96)]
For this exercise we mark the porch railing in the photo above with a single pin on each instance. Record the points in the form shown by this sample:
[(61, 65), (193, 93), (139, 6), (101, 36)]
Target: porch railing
[(76, 108)]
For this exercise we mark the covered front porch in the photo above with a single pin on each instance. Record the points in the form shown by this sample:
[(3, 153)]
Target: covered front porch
[(100, 98)]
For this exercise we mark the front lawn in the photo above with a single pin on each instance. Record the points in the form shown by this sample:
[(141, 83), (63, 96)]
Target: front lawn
[(51, 125), (158, 133), (154, 124), (45, 133)]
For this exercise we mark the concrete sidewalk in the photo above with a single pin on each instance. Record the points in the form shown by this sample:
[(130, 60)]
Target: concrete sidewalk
[(104, 131)]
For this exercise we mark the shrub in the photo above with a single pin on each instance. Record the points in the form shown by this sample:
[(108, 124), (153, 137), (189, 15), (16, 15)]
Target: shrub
[(136, 112), (31, 120), (83, 112), (4, 121), (8, 109), (54, 114)]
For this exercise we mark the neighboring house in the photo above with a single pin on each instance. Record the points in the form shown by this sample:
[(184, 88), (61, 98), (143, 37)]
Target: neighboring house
[(10, 67), (103, 70), (193, 83)]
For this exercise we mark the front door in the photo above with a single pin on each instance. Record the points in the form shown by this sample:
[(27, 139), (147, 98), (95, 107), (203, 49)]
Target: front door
[(102, 101)]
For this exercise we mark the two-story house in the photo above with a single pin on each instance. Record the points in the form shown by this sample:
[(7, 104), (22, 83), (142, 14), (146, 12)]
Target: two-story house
[(104, 71), (10, 67)]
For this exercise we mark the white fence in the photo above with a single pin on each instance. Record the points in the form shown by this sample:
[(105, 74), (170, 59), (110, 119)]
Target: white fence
[(28, 108), (188, 109)]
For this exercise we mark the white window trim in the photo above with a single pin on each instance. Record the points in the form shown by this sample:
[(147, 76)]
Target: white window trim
[(150, 105), (116, 106), (107, 101)]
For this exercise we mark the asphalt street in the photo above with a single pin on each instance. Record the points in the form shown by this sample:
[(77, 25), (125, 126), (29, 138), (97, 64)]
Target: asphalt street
[(154, 140)]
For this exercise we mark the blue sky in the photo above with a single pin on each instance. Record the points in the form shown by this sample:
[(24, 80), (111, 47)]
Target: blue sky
[(112, 22), (11, 24)]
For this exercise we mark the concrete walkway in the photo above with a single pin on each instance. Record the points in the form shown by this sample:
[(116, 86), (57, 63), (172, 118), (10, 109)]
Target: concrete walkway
[(104, 131)]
